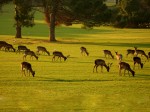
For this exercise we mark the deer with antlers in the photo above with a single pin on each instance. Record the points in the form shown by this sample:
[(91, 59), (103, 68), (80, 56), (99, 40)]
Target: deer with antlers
[(84, 51), (100, 62), (25, 66), (42, 49), (107, 52), (125, 66)]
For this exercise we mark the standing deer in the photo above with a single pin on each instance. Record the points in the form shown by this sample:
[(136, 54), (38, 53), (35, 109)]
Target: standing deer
[(43, 49), (125, 66), (107, 52), (22, 48), (119, 56), (27, 66), (140, 52), (138, 61), (31, 53), (84, 51), (59, 55), (130, 51), (100, 62)]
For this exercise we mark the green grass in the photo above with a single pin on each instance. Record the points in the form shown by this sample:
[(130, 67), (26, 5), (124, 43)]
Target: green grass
[(72, 86)]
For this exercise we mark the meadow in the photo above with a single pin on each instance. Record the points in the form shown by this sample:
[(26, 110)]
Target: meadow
[(71, 86)]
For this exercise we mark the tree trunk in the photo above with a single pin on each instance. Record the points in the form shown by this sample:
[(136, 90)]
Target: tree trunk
[(52, 27), (18, 32)]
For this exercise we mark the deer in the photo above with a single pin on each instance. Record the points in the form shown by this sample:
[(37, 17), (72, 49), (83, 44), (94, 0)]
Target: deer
[(2, 44), (138, 61), (59, 55), (119, 56), (125, 66), (27, 66), (84, 51), (100, 62), (9, 47), (107, 52), (31, 53), (140, 52), (130, 51), (43, 49), (22, 48)]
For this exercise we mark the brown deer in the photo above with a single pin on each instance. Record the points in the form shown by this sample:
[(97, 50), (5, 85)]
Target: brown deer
[(22, 48), (43, 49), (125, 66), (84, 51), (9, 47), (138, 61), (27, 66), (119, 56), (137, 51), (59, 55), (100, 62), (130, 51), (107, 52), (2, 44), (31, 53)]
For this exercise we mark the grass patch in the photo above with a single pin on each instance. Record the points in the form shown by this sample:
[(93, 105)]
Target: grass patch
[(72, 85)]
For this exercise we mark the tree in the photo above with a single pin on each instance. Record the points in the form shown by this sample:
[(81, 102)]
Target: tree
[(3, 2), (24, 16), (134, 14), (89, 13)]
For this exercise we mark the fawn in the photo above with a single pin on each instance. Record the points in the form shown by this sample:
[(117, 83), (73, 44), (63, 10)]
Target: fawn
[(119, 56), (59, 55)]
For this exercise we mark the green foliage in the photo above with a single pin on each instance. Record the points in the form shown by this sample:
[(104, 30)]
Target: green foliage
[(24, 15), (134, 14)]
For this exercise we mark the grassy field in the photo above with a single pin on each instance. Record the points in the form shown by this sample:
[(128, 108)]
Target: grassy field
[(72, 86)]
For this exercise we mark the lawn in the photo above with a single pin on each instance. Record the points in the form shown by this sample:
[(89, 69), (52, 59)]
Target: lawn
[(71, 86)]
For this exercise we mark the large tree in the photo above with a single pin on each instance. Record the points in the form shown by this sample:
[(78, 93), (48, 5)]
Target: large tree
[(89, 13), (24, 16), (134, 14)]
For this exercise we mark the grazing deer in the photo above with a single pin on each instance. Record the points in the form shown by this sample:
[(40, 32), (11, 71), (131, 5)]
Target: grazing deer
[(125, 66), (59, 55), (84, 51), (138, 61), (27, 66), (119, 56), (43, 49), (22, 48), (130, 51), (9, 47), (31, 53), (100, 62), (2, 44), (107, 52), (140, 52)]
